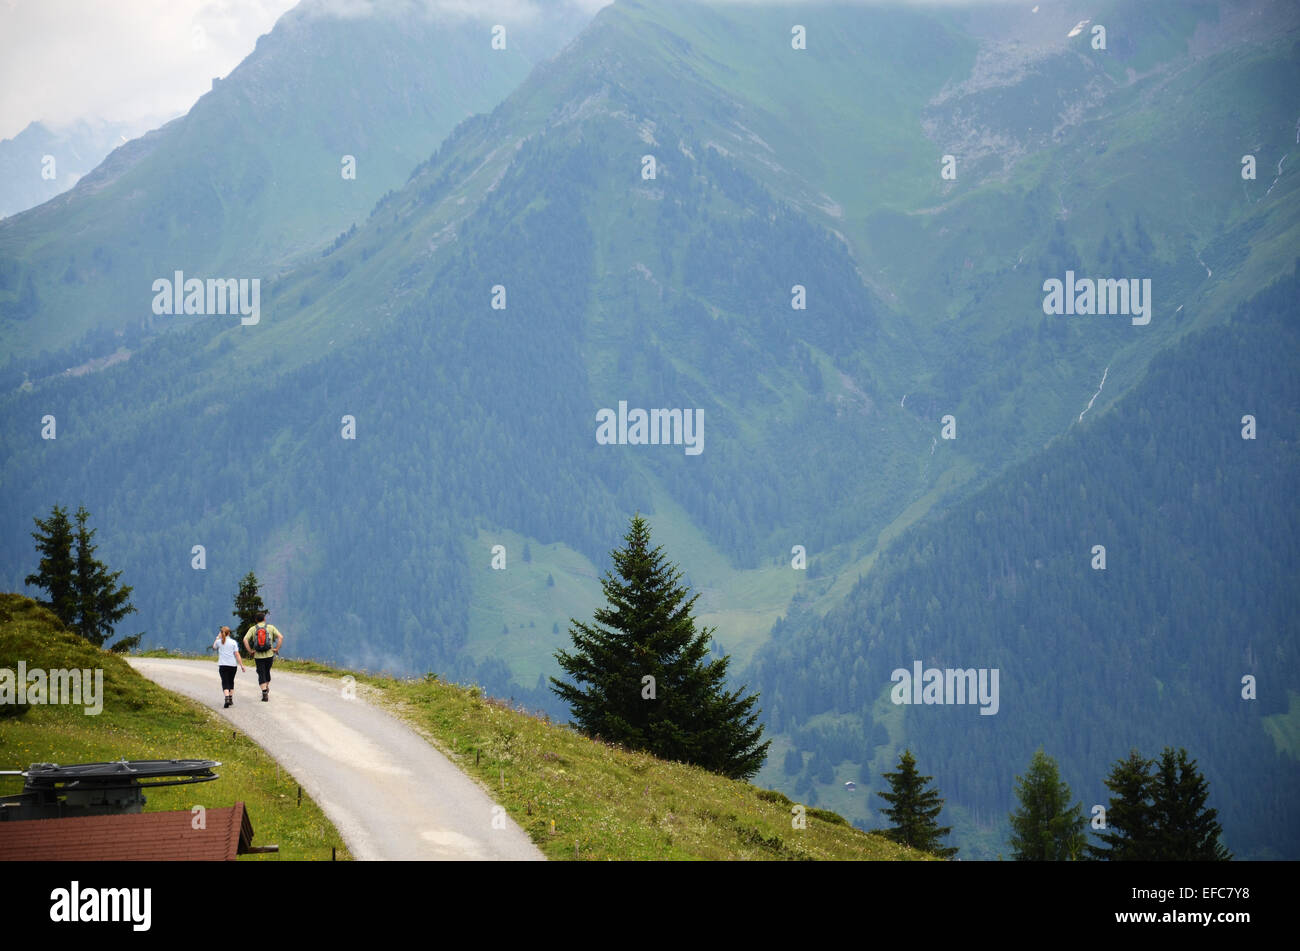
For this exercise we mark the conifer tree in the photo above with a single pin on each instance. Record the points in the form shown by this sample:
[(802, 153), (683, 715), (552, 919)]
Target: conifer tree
[(641, 675), (1045, 827), (1161, 817), (1185, 830), (1128, 835), (248, 603), (82, 591), (100, 601), (56, 569), (914, 810)]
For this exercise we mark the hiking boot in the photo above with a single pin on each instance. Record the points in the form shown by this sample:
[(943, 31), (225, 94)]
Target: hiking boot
[(265, 696), (227, 703)]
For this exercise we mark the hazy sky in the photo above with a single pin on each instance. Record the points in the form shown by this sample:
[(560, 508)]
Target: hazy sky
[(62, 60)]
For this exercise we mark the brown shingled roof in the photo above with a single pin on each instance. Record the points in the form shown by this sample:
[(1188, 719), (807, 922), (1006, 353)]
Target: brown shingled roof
[(146, 836)]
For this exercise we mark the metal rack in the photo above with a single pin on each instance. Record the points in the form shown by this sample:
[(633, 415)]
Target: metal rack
[(51, 791)]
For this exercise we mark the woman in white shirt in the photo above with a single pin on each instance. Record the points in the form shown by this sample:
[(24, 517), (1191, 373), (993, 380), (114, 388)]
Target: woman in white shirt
[(227, 656)]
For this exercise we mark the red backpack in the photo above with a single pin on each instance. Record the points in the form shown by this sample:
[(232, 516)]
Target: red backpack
[(261, 639)]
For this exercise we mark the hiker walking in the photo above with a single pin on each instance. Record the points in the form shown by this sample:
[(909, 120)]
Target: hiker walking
[(263, 642), (227, 656)]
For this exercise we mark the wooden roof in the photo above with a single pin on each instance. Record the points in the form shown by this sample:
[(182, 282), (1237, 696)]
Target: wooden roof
[(145, 836)]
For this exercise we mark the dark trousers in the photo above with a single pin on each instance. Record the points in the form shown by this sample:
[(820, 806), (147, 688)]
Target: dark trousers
[(227, 676), (263, 669)]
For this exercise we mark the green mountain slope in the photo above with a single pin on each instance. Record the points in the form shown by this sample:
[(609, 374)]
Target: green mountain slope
[(252, 177), (1199, 590)]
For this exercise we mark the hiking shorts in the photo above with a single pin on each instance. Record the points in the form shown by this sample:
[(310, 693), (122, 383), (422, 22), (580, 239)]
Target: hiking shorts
[(263, 669), (227, 676)]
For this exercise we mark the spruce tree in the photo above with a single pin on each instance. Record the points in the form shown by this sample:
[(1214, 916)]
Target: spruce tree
[(100, 602), (1129, 832), (83, 593), (646, 631), (1045, 827), (248, 603), (914, 810), (1185, 830), (56, 569)]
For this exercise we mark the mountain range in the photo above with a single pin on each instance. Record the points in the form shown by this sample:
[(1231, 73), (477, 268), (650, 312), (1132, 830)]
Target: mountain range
[(825, 231), (41, 161)]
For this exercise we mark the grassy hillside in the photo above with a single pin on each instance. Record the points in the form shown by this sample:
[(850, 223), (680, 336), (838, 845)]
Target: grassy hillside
[(606, 802), (141, 720)]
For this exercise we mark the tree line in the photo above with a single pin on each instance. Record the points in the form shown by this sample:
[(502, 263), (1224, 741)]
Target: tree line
[(81, 590), (1157, 812), (87, 597), (641, 675)]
